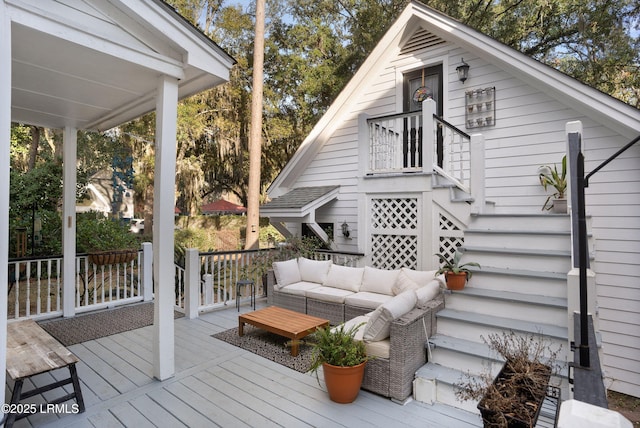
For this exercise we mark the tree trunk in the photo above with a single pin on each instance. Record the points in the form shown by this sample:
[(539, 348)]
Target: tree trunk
[(33, 148), (255, 134)]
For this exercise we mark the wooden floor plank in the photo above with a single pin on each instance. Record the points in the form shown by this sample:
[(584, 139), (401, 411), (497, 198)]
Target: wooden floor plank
[(155, 413), (178, 408), (118, 363), (129, 416), (105, 420)]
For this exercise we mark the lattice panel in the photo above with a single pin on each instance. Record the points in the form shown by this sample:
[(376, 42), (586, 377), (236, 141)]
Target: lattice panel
[(394, 251), (450, 236), (394, 214)]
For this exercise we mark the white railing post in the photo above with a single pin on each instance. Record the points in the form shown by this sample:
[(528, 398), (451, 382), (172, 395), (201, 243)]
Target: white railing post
[(208, 288), (191, 283), (364, 145), (477, 175), (147, 271), (429, 138)]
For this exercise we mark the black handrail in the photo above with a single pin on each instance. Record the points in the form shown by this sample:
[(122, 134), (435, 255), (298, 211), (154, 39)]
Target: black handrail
[(458, 130), (615, 155)]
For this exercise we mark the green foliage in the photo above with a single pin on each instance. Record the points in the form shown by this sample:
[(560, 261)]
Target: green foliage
[(337, 346), (95, 232), (551, 177), (454, 265)]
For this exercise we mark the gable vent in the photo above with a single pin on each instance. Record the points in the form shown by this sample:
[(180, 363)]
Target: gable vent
[(421, 39)]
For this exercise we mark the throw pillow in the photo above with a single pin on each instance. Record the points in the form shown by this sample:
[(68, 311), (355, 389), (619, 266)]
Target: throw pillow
[(379, 325), (346, 278), (286, 273), (403, 283), (313, 270), (379, 281)]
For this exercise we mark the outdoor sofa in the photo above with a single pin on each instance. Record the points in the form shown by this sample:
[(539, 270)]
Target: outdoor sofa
[(396, 310)]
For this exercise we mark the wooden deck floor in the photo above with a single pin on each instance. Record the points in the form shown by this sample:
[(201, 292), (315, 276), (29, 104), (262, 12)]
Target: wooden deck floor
[(217, 384)]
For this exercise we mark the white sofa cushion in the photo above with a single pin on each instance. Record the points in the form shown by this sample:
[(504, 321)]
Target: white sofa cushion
[(365, 299), (378, 280), (379, 324), (313, 270), (299, 288), (328, 294), (379, 349), (286, 273), (420, 277), (346, 278), (427, 293), (403, 283)]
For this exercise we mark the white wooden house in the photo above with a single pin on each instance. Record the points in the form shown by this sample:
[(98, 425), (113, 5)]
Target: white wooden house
[(405, 185)]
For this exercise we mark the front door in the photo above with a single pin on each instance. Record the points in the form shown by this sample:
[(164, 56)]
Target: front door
[(417, 86)]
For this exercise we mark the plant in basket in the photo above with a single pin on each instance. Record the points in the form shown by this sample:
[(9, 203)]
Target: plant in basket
[(107, 241), (513, 398)]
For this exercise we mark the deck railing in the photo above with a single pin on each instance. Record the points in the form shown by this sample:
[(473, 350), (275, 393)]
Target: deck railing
[(35, 285), (208, 280)]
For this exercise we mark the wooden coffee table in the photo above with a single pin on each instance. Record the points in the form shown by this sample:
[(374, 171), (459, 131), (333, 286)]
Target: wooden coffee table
[(283, 322)]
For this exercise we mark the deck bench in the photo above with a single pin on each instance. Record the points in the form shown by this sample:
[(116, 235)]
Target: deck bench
[(32, 351)]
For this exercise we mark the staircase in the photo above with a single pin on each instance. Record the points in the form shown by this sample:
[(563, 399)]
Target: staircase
[(521, 286)]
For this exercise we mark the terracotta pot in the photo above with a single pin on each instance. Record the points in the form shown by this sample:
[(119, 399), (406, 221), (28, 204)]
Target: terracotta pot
[(343, 383), (456, 281)]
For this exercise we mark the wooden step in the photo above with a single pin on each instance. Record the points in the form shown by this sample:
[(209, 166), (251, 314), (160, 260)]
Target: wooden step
[(520, 280), (512, 258)]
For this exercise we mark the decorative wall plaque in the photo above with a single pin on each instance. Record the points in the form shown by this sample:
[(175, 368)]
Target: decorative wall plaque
[(480, 107)]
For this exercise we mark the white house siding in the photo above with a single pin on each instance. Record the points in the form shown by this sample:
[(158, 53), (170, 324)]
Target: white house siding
[(529, 132)]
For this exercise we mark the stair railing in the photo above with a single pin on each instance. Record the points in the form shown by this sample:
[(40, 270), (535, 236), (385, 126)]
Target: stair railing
[(578, 223)]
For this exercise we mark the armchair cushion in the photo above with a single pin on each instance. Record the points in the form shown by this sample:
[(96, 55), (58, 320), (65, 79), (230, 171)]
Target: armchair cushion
[(427, 293), (403, 283), (286, 273)]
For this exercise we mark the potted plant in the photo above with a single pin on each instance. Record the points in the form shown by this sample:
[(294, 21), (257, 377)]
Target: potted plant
[(342, 359), (551, 177), (513, 398), (455, 273)]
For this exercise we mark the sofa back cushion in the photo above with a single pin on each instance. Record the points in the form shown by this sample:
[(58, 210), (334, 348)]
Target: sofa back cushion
[(379, 324), (313, 270), (403, 283), (420, 277), (347, 278), (379, 280), (286, 273), (427, 293)]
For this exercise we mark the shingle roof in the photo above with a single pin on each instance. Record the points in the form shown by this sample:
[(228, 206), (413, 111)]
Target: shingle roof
[(300, 197)]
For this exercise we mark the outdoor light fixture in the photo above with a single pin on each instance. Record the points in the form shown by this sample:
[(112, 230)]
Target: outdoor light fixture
[(345, 230), (463, 71)]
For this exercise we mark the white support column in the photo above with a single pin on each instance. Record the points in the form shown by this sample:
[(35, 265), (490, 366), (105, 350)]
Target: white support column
[(69, 157), (364, 145), (477, 177), (163, 226), (191, 283), (5, 138), (147, 271)]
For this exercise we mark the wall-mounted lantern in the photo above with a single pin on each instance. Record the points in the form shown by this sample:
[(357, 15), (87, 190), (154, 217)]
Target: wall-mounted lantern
[(463, 71)]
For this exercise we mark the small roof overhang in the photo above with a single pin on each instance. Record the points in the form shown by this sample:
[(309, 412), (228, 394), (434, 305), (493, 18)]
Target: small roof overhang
[(299, 204)]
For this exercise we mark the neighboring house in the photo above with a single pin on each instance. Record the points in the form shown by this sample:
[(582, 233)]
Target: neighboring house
[(100, 196), (221, 207), (408, 185)]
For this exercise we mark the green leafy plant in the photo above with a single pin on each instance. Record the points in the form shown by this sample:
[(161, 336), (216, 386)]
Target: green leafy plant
[(337, 346), (453, 264), (551, 177), (95, 233)]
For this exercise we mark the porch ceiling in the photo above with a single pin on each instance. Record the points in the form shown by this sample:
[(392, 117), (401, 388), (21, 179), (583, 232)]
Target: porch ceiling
[(101, 73)]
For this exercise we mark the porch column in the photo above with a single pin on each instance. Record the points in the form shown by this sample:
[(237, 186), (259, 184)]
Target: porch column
[(164, 182), (69, 157), (5, 137)]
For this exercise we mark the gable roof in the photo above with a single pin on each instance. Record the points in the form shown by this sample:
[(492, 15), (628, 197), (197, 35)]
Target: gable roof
[(607, 110), (94, 64), (299, 202), (222, 206)]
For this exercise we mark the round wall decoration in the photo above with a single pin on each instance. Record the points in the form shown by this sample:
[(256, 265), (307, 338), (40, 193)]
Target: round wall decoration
[(422, 93)]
